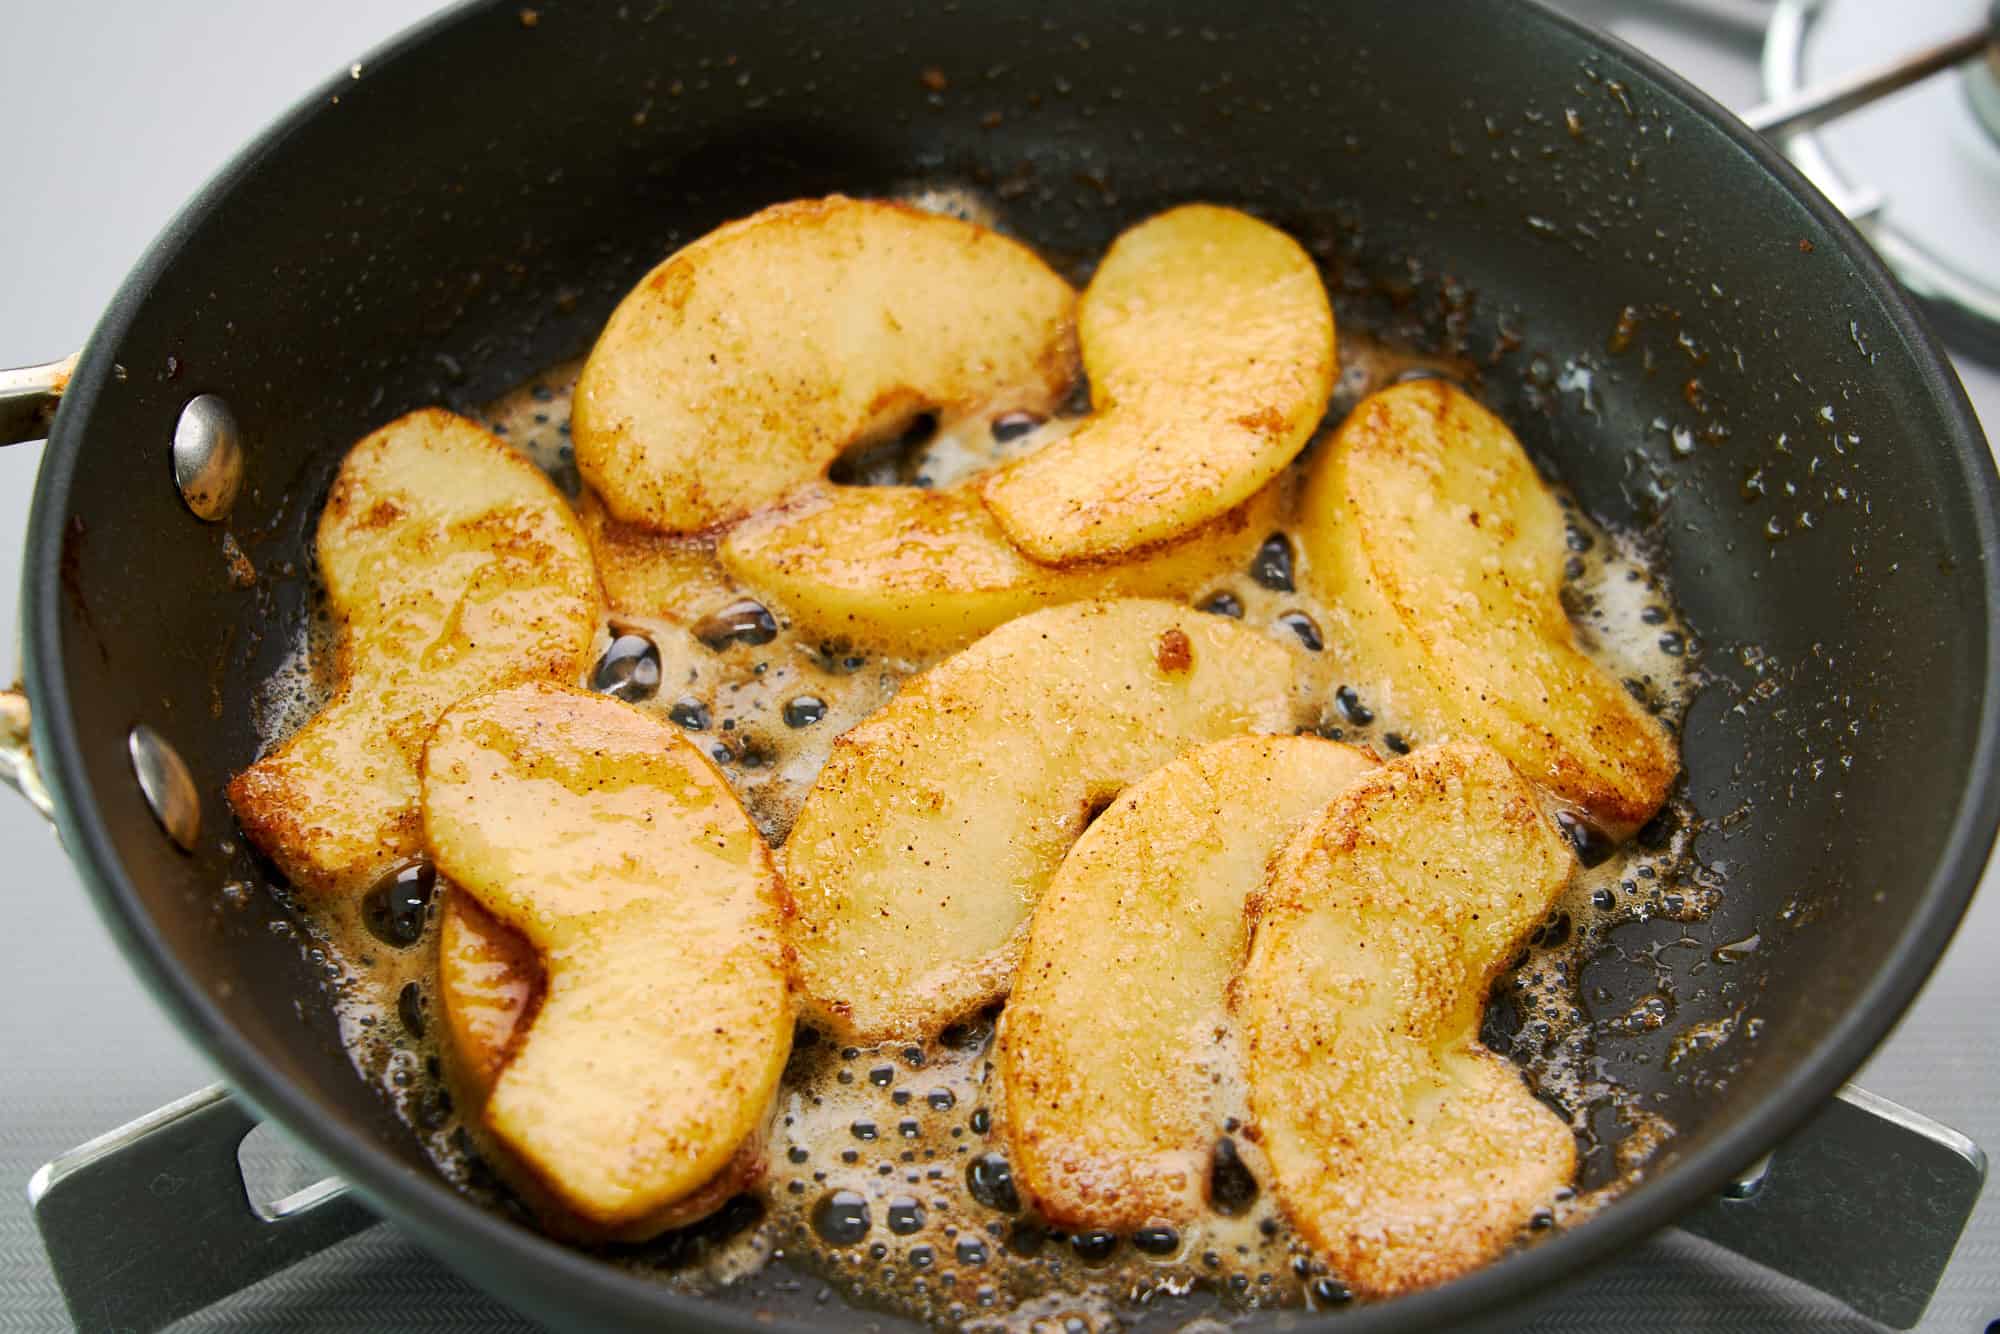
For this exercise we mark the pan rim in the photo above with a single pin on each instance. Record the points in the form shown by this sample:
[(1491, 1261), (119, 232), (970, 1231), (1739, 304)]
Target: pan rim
[(546, 1277)]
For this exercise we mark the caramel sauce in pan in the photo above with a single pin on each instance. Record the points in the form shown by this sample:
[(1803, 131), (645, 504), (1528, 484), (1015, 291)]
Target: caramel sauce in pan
[(885, 1168)]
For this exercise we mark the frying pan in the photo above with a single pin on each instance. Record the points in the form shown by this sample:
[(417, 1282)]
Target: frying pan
[(470, 205)]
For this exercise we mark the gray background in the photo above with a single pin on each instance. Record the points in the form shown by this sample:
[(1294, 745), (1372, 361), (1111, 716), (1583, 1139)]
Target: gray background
[(117, 111)]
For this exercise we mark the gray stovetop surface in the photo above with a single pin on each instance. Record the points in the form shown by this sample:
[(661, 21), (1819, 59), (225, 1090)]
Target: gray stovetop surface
[(119, 110)]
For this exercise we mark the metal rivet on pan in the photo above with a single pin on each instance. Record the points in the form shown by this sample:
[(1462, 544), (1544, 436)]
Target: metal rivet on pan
[(168, 787), (208, 456)]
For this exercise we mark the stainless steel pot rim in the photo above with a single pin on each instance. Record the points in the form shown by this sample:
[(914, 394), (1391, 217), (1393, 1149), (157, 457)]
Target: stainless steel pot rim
[(436, 1212), (1924, 271)]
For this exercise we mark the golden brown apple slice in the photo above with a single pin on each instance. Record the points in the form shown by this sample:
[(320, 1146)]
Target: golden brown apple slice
[(490, 984), (1116, 1051), (653, 574), (1428, 525), (1402, 1149), (1209, 343), (743, 366), (452, 565), (917, 572), (930, 832), (607, 841)]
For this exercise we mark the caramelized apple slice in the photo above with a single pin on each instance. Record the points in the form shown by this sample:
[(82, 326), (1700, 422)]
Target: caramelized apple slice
[(620, 854), (1116, 1051), (452, 565), (1402, 1149), (490, 983), (743, 366), (931, 831), (652, 574), (1428, 525), (1209, 343), (916, 572)]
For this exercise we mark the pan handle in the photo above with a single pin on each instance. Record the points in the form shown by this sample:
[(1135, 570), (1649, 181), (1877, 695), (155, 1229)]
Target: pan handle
[(1865, 1203), (153, 1221), (28, 398), (17, 753)]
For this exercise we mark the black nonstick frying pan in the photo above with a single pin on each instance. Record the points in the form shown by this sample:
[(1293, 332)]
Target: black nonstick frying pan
[(1591, 230)]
